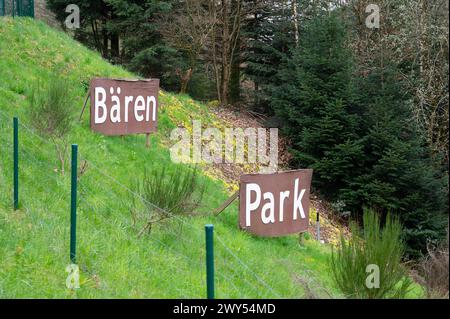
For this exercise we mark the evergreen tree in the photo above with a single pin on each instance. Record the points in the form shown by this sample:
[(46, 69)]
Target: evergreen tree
[(268, 37), (143, 48), (358, 134), (126, 32), (399, 174), (316, 104), (94, 16), (269, 34)]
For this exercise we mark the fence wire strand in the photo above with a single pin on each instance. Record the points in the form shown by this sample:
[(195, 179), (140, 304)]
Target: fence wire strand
[(243, 264)]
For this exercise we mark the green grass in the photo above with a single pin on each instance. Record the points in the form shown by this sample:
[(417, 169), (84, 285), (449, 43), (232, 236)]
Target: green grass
[(114, 262)]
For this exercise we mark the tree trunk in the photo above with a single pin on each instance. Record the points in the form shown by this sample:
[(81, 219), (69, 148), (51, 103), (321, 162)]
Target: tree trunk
[(115, 50), (235, 76), (184, 80), (96, 36), (105, 40), (224, 89), (256, 102), (114, 36), (295, 18), (225, 78)]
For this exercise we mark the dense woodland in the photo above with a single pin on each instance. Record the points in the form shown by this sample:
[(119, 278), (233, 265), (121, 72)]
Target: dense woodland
[(366, 108)]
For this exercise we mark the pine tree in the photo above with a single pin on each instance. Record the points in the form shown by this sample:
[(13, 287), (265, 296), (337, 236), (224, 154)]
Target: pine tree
[(94, 16), (143, 48), (268, 37), (315, 102), (124, 31), (399, 175), (358, 134)]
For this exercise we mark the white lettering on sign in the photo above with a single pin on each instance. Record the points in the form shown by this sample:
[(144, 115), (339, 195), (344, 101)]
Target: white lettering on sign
[(268, 209), (100, 103), (251, 206), (270, 206), (283, 196), (143, 108), (298, 201), (139, 106), (115, 109)]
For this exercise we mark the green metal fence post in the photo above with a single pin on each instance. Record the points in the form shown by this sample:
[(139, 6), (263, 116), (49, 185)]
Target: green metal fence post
[(16, 162), (73, 205), (209, 261)]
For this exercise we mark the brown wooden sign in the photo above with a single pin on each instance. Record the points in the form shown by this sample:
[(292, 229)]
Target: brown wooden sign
[(123, 107), (273, 205)]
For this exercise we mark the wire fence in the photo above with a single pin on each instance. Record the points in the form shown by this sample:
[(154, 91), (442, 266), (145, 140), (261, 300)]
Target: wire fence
[(97, 188)]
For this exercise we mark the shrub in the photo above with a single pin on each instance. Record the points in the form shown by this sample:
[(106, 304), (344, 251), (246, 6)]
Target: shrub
[(312, 289), (372, 245), (51, 114), (434, 271), (164, 193)]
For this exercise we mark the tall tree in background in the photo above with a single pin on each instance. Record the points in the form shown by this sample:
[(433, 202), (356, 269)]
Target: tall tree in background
[(295, 22), (398, 174), (268, 38), (142, 45), (269, 33), (224, 43), (315, 101), (234, 91), (187, 28), (358, 133), (406, 62), (124, 31), (428, 78), (94, 19), (414, 35)]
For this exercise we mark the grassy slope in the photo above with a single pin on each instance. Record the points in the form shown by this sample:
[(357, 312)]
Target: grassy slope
[(114, 261)]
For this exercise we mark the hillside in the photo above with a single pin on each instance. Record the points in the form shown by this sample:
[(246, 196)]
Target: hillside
[(114, 261)]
